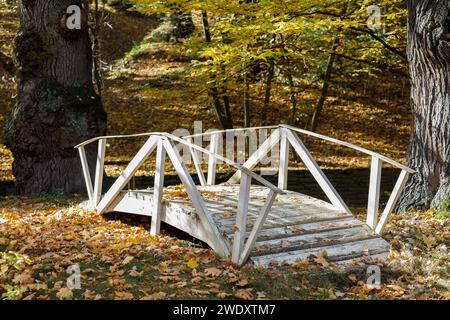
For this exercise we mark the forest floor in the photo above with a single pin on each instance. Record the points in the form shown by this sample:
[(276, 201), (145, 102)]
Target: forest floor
[(146, 89)]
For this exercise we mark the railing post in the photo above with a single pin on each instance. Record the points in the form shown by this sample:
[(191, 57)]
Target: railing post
[(212, 161), (197, 164), (99, 168), (158, 188), (257, 227), (395, 195), (241, 218), (87, 175), (374, 192), (284, 160)]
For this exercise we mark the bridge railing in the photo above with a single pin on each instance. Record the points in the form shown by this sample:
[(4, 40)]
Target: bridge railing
[(164, 145), (286, 136)]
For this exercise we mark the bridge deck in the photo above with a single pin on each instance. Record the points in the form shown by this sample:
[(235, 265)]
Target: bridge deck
[(296, 227)]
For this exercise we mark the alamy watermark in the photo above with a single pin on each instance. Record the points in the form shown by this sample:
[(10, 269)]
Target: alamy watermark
[(375, 21), (74, 280), (374, 276), (73, 20)]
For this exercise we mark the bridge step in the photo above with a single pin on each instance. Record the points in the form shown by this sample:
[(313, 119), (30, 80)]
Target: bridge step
[(297, 226)]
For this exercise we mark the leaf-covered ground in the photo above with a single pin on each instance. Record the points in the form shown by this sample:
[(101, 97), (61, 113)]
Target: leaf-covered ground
[(40, 238)]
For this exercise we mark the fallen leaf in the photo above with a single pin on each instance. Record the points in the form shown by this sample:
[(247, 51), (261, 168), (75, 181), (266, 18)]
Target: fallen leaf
[(300, 265), (23, 278), (193, 264), (134, 273), (127, 260), (178, 285), (121, 295), (242, 283), (64, 294), (155, 296), (244, 294), (223, 295), (212, 272)]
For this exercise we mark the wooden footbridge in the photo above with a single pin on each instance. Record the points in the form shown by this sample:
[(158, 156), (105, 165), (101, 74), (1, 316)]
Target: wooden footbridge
[(242, 220)]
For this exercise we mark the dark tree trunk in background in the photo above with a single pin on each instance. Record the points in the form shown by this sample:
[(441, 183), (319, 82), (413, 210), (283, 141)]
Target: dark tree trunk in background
[(325, 86), (223, 112), (57, 106), (429, 149), (7, 64), (267, 93)]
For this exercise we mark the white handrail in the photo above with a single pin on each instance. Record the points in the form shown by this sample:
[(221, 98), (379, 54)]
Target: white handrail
[(227, 161), (351, 146), (302, 131)]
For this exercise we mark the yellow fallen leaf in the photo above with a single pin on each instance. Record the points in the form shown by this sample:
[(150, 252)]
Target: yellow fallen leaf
[(300, 265), (227, 214), (193, 264), (127, 260)]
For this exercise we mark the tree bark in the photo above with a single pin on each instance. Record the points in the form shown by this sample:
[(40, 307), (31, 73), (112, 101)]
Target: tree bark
[(246, 101), (57, 106), (267, 93), (325, 86), (429, 147), (223, 112), (7, 64)]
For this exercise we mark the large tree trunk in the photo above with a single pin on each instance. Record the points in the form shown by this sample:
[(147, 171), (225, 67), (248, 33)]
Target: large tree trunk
[(429, 149), (57, 106)]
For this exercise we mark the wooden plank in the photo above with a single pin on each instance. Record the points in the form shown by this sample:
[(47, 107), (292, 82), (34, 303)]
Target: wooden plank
[(212, 160), (317, 173), (87, 175), (308, 228), (334, 252), (253, 160), (284, 161), (99, 170), (374, 192), (313, 240), (197, 164), (226, 224), (219, 244), (128, 173), (241, 218), (158, 188), (257, 227), (395, 195)]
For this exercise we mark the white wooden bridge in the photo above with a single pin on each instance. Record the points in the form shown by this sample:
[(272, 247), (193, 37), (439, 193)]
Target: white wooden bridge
[(242, 220)]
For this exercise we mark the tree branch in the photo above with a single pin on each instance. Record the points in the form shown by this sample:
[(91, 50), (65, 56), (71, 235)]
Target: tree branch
[(380, 40)]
